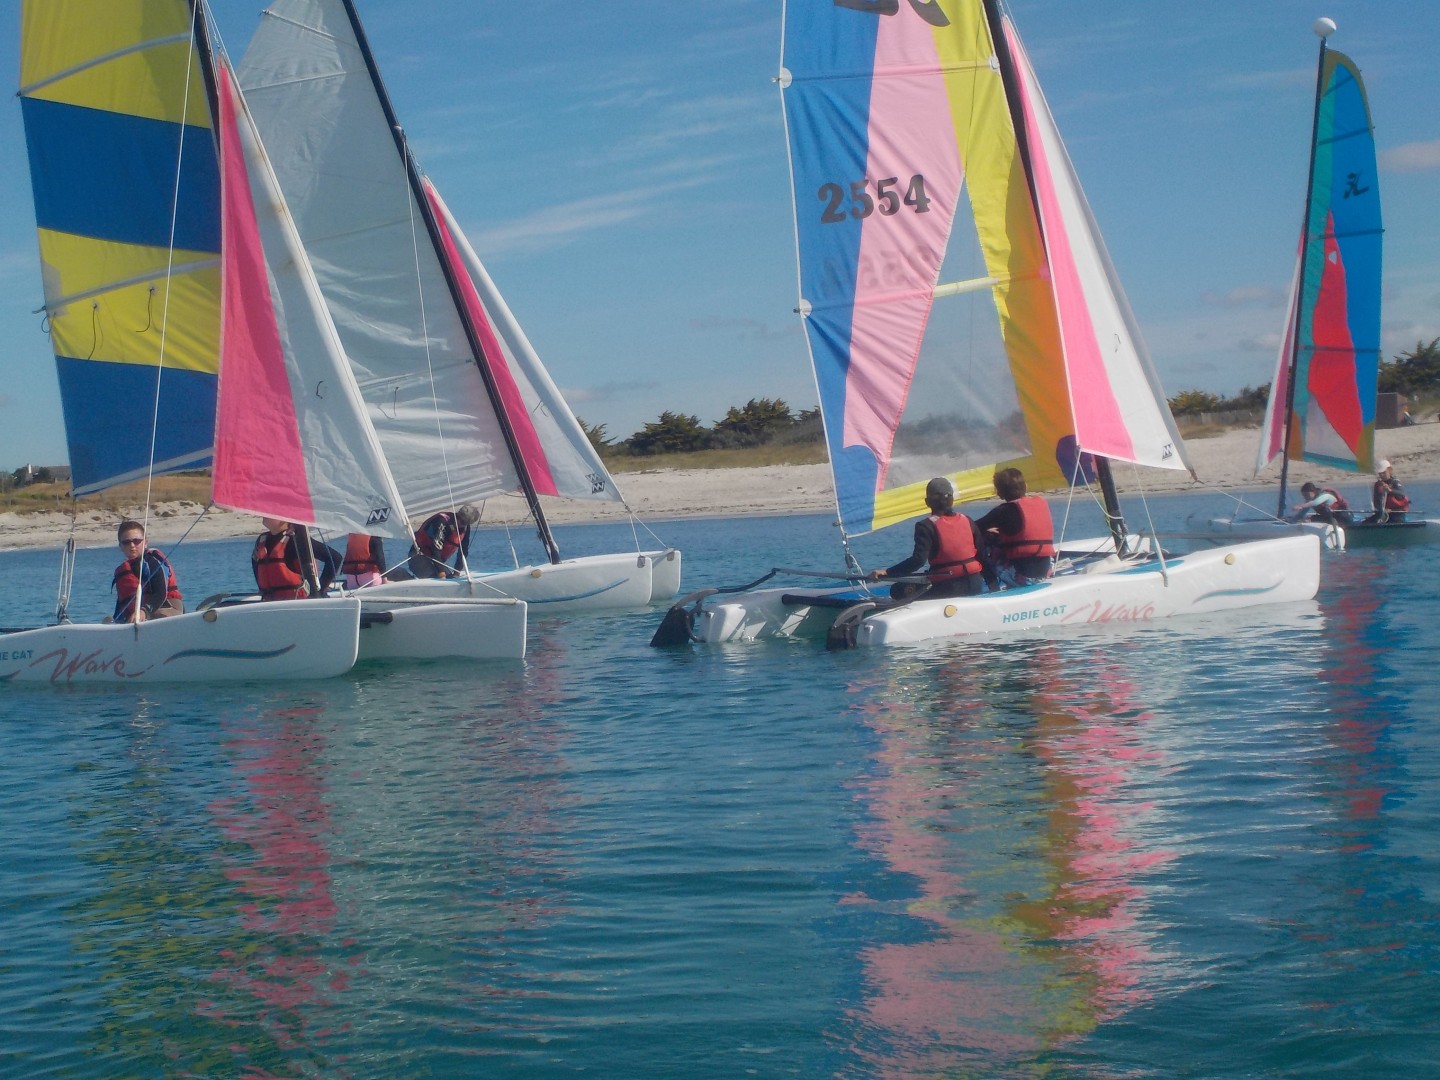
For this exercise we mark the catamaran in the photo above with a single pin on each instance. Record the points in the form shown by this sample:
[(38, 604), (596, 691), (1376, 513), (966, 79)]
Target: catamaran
[(1321, 407), (888, 106), (463, 407), (184, 317)]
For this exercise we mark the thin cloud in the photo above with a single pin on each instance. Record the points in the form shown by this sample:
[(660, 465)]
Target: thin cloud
[(747, 329), (1246, 296), (1412, 157), (554, 226), (604, 392)]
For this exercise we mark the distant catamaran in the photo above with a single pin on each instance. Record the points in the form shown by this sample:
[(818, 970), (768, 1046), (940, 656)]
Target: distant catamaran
[(1321, 407)]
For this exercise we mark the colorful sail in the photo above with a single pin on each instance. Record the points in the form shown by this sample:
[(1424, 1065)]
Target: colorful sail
[(1331, 353), (889, 106), (1116, 399), (292, 439), (127, 201)]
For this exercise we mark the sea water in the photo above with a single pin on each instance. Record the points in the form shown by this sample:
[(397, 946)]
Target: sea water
[(1203, 848)]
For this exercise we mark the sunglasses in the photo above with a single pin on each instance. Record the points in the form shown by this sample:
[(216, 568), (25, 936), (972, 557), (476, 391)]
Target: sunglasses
[(132, 540)]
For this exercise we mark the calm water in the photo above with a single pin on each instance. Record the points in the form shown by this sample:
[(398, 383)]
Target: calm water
[(1203, 849)]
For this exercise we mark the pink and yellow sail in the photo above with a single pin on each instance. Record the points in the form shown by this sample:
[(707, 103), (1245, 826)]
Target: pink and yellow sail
[(911, 122)]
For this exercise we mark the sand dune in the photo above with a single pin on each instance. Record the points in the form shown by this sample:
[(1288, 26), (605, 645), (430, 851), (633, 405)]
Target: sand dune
[(1224, 461)]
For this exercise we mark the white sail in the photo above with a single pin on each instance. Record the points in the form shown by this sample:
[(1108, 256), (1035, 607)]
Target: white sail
[(336, 159), (292, 439)]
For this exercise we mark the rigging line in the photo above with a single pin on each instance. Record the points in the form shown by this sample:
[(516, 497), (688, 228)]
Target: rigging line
[(170, 263), (425, 336)]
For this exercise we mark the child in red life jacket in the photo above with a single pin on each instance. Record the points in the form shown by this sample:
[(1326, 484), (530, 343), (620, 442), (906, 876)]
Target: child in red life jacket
[(144, 584)]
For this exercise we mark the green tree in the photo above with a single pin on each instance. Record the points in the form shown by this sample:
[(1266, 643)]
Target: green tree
[(673, 433), (1416, 371), (757, 422), (1193, 402), (597, 436)]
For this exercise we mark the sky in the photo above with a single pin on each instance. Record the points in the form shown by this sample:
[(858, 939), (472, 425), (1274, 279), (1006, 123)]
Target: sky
[(621, 169)]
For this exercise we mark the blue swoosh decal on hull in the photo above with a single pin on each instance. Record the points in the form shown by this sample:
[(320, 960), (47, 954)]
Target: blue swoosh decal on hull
[(230, 654), (1238, 592), (581, 596)]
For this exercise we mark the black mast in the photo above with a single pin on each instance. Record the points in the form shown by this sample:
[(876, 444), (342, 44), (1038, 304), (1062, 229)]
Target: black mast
[(432, 226), (1114, 518), (1300, 280)]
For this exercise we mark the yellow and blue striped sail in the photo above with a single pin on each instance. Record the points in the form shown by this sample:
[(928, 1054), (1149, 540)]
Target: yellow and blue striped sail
[(127, 203)]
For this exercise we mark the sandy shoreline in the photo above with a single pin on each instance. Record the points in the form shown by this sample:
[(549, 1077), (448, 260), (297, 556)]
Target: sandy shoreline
[(1224, 461)]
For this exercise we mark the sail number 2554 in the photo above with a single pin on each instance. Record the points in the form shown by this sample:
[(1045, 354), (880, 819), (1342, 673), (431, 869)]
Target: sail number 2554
[(858, 201)]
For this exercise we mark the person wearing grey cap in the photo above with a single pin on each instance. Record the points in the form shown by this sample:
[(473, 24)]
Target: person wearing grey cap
[(441, 536), (947, 544), (1387, 497)]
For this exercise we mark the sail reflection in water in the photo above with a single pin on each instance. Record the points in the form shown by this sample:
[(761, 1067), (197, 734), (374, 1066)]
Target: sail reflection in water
[(985, 763)]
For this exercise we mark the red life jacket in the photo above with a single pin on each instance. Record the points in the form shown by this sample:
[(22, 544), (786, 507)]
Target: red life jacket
[(1394, 500), (275, 577), (1037, 530), (359, 558), (454, 536), (957, 555), (1340, 503), (127, 583)]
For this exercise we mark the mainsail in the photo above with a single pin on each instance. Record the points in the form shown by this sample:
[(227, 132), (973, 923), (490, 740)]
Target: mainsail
[(1322, 399), (909, 385), (462, 406), (173, 277), (123, 168)]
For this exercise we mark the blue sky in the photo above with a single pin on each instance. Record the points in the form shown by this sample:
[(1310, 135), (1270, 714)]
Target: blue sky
[(620, 167)]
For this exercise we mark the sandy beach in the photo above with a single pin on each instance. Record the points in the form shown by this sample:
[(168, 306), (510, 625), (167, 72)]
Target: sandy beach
[(1225, 462)]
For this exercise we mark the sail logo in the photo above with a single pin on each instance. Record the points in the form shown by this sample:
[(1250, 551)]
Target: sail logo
[(929, 10), (378, 516), (1352, 186), (597, 483)]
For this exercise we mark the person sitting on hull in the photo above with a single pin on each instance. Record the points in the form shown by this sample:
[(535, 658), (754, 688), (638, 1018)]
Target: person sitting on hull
[(947, 544), (1321, 504), (364, 562), (144, 584), (1387, 496), (442, 536), (285, 562), (1019, 532)]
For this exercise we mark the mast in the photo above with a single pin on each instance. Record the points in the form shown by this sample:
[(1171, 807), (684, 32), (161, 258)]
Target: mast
[(1323, 28), (472, 335), (1114, 517)]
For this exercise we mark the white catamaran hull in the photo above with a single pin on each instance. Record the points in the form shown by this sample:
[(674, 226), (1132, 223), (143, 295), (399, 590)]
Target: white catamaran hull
[(465, 629), (589, 583), (1236, 576), (1228, 530), (312, 639)]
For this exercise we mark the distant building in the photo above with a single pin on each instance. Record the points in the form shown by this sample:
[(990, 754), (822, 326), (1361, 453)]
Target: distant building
[(35, 474)]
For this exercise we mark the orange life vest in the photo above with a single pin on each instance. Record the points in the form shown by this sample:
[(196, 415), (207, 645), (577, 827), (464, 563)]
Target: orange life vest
[(957, 555), (127, 583), (1037, 531), (359, 560), (275, 577), (1394, 500)]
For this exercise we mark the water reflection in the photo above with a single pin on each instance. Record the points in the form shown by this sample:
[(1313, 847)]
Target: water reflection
[(1004, 791)]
